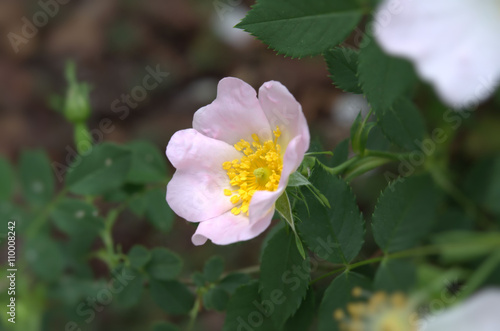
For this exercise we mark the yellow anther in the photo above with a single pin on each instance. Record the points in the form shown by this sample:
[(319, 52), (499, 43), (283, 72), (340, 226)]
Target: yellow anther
[(258, 169), (338, 314), (357, 292), (376, 300), (356, 309), (398, 300), (277, 132), (382, 312), (227, 192)]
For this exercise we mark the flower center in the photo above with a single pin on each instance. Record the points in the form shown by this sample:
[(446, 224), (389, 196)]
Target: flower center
[(259, 169), (381, 313)]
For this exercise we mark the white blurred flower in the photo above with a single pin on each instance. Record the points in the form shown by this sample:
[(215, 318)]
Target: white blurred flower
[(397, 312), (479, 313), (453, 44), (346, 107), (223, 22)]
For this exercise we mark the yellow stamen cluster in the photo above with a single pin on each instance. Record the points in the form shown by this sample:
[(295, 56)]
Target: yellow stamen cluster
[(258, 169), (382, 312)]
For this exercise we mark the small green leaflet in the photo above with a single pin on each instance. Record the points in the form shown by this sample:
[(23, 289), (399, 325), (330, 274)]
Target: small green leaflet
[(337, 296), (279, 277), (383, 78), (104, 169), (343, 67), (402, 124), (335, 233), (405, 213), (300, 28)]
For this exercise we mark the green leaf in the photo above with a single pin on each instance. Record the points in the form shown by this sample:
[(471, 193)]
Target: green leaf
[(198, 279), (104, 169), (9, 212), (233, 281), (280, 281), (80, 221), (284, 209), (74, 216), (165, 327), (334, 234), (216, 298), (246, 310), (482, 184), (337, 296), (158, 212), (343, 67), (303, 317), (297, 179), (7, 179), (138, 204), (148, 164), (405, 213), (139, 256), (172, 296), (213, 269), (452, 219), (395, 275), (124, 193), (45, 258), (164, 264), (269, 235), (402, 124), (340, 153), (377, 140), (131, 293), (383, 78), (297, 28), (37, 178)]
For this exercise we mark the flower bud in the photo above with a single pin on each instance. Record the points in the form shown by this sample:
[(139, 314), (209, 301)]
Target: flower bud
[(77, 103)]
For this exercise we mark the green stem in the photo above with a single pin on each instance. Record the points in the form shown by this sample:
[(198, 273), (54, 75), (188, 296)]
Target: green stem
[(360, 164), (111, 258), (420, 251), (369, 164), (387, 155), (44, 214), (342, 167), (248, 270), (319, 153), (194, 313)]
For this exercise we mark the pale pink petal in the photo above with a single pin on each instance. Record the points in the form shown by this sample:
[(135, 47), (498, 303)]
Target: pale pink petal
[(196, 191), (284, 111), (228, 228), (453, 44), (234, 115), (479, 313), (263, 201)]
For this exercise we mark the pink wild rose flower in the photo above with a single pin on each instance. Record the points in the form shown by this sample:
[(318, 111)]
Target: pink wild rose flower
[(235, 162)]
